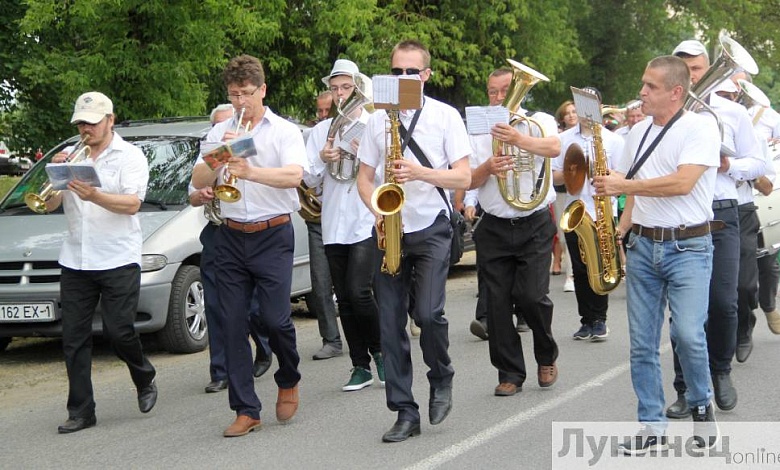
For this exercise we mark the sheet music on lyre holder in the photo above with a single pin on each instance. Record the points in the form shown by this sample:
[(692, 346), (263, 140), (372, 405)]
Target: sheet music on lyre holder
[(354, 133), (480, 119), (587, 105), (397, 91)]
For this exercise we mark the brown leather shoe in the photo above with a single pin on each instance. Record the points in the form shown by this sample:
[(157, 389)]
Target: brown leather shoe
[(547, 375), (506, 389), (242, 426), (286, 403)]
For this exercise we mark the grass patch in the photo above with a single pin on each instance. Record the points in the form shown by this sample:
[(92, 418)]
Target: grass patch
[(6, 183)]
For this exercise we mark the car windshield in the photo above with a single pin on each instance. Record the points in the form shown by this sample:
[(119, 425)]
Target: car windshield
[(170, 167)]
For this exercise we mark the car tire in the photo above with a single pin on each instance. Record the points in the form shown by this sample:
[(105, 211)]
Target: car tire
[(4, 342), (185, 329)]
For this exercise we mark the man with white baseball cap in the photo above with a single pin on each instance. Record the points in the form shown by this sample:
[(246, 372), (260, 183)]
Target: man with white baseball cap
[(101, 259)]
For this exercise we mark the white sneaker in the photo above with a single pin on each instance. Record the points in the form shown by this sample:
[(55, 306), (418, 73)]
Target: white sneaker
[(568, 286)]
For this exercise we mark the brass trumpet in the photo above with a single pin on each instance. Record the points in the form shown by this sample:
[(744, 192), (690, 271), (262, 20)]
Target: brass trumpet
[(227, 191), (37, 201)]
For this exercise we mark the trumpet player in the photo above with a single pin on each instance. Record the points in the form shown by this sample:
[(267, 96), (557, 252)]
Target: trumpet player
[(441, 139), (254, 244), (514, 246), (591, 306), (101, 260), (347, 223), (730, 287)]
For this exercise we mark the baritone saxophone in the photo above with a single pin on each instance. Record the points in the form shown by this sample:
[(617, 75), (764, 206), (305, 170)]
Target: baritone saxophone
[(388, 199), (597, 239)]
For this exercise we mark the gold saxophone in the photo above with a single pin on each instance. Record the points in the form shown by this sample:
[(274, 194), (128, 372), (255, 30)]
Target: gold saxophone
[(387, 201), (597, 239)]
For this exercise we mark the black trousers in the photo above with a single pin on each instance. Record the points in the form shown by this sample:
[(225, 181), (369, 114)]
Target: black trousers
[(258, 264), (117, 290), (747, 287), (515, 254), (427, 253), (768, 277), (352, 271), (590, 305)]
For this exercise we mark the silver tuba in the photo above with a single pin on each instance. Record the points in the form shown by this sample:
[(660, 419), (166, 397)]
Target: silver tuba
[(732, 58), (346, 168), (37, 201)]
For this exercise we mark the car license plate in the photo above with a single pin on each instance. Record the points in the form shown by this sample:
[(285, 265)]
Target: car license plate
[(27, 312)]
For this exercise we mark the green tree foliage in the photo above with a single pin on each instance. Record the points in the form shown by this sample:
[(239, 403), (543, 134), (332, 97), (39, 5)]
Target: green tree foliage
[(158, 58)]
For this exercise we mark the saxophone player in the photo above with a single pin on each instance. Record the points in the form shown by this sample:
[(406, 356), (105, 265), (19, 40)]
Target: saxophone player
[(734, 280), (440, 135), (514, 247), (347, 223), (591, 306)]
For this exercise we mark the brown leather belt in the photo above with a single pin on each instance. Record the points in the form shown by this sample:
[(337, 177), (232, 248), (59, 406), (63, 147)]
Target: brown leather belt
[(252, 227), (665, 234)]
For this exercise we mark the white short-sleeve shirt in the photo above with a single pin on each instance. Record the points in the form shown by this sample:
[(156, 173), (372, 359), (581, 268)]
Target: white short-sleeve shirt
[(279, 143), (99, 239), (693, 140), (441, 134)]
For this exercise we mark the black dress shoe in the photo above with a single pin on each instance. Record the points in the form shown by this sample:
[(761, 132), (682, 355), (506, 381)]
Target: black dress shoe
[(147, 397), (401, 431), (216, 386), (261, 366), (77, 424), (744, 348), (679, 409), (440, 404), (725, 393)]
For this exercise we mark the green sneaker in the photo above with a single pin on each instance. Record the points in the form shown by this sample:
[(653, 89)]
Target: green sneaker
[(379, 363), (361, 378)]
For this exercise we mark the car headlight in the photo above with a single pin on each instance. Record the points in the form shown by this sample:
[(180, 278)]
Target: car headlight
[(153, 262)]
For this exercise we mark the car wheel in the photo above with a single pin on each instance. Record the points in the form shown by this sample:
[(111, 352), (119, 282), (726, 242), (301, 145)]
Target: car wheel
[(185, 330), (4, 342)]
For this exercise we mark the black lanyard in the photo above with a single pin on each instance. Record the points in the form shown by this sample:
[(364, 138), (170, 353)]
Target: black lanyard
[(408, 134), (641, 161)]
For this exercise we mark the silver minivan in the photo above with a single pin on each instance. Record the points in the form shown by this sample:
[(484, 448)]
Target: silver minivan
[(171, 303)]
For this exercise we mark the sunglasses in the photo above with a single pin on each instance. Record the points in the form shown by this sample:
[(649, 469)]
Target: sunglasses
[(409, 71)]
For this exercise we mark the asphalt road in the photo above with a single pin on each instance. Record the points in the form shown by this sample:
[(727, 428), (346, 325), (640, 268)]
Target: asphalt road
[(334, 429)]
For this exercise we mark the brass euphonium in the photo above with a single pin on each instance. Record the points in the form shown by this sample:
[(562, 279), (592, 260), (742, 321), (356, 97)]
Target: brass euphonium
[(524, 168), (597, 239), (227, 191), (346, 168), (37, 201), (388, 200)]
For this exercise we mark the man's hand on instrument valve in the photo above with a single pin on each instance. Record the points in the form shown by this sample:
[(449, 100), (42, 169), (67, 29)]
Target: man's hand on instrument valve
[(239, 167), (611, 184)]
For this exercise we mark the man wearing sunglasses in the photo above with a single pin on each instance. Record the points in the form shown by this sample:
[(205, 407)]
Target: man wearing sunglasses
[(441, 140)]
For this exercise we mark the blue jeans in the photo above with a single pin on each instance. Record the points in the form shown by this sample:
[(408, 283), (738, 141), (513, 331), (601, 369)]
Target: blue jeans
[(676, 273)]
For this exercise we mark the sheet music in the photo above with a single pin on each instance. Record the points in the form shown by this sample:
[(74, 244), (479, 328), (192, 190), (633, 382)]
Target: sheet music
[(480, 119), (385, 89), (587, 104), (354, 133)]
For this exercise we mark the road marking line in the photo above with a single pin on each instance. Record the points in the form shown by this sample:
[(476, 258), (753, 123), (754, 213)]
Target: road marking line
[(509, 424)]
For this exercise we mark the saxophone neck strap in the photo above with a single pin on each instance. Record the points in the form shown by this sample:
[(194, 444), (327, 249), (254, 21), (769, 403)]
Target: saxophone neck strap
[(641, 161), (417, 151)]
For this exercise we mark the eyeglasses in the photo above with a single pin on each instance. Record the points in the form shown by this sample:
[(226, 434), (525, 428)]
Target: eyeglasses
[(494, 92), (345, 87), (409, 71), (237, 97)]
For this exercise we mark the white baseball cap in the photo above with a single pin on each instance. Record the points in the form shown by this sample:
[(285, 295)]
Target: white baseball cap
[(341, 67), (727, 86), (92, 107), (691, 47)]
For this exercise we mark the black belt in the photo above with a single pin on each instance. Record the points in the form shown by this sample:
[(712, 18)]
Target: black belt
[(520, 220), (665, 234), (252, 227), (724, 204)]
